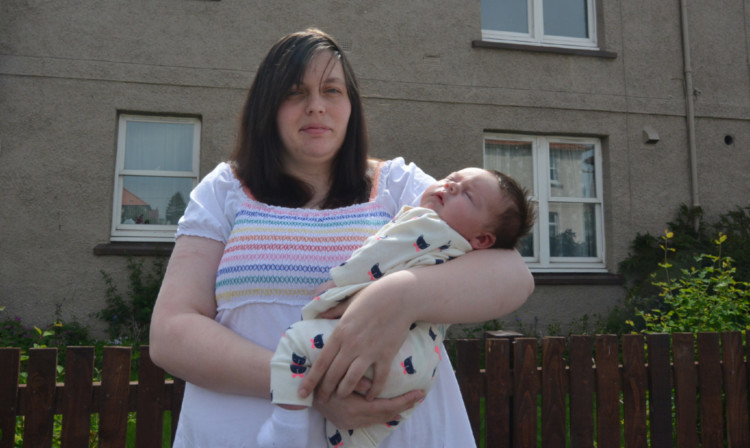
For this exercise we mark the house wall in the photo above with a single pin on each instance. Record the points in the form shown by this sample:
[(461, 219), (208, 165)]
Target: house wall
[(67, 69)]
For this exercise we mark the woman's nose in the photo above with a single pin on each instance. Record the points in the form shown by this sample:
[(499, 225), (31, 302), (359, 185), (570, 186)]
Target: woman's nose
[(315, 104)]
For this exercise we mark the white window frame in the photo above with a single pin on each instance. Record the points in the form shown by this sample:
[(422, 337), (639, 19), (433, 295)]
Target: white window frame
[(536, 35), (541, 196), (151, 232)]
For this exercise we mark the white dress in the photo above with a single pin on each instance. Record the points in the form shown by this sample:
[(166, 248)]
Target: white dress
[(273, 260)]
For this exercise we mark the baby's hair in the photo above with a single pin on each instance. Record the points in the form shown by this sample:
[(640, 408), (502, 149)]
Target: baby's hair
[(518, 217)]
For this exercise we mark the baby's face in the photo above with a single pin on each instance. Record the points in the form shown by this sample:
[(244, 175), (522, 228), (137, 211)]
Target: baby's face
[(468, 200)]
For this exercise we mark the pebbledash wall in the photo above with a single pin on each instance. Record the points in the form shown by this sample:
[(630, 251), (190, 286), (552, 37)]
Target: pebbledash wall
[(434, 86)]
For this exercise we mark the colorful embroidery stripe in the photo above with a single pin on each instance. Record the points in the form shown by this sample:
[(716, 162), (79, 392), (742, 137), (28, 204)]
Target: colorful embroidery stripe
[(303, 294), (306, 268)]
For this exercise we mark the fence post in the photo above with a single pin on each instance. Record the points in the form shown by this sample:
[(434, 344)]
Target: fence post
[(79, 373), (660, 391), (114, 396), (40, 397), (525, 393), (470, 380), (150, 407), (735, 383), (581, 392), (607, 391), (685, 385), (710, 387), (635, 384), (554, 391), (498, 404), (10, 365)]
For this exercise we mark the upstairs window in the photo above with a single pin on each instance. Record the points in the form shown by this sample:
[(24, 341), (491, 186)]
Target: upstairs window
[(559, 23), (156, 168), (564, 178)]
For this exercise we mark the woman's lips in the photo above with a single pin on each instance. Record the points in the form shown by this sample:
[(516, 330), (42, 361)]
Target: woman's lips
[(315, 129)]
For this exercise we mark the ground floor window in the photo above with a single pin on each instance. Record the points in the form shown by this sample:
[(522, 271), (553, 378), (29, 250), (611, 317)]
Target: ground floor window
[(156, 168), (564, 178)]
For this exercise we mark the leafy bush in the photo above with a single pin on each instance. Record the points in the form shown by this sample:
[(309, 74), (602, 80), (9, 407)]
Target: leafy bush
[(702, 298), (13, 333), (129, 317), (692, 236)]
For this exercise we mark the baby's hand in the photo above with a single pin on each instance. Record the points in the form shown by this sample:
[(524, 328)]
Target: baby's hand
[(323, 288)]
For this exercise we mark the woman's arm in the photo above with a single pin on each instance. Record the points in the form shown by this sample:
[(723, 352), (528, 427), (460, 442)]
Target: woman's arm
[(186, 340), (478, 286)]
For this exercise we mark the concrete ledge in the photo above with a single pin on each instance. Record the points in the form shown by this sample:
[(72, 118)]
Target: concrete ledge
[(134, 249)]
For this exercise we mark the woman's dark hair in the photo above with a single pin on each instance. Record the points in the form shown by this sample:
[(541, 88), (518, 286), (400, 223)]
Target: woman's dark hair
[(257, 158)]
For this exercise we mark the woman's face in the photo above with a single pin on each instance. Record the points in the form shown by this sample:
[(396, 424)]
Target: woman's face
[(313, 117)]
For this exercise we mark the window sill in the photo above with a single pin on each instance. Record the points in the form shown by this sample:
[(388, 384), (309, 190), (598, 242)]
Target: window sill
[(134, 249), (544, 49), (544, 278)]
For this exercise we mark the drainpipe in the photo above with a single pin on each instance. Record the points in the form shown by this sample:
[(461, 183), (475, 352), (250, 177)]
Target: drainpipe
[(690, 107)]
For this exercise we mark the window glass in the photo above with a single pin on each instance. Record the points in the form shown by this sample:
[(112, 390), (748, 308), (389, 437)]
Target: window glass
[(154, 200), (505, 15), (567, 18), (572, 170), (159, 146), (571, 230), (513, 158)]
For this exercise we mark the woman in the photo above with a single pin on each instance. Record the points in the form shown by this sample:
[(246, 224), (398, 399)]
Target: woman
[(262, 232)]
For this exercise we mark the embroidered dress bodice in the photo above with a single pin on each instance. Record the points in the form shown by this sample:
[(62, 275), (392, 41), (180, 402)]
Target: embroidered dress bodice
[(279, 254)]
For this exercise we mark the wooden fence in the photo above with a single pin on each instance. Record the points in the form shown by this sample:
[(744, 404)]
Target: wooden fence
[(584, 391)]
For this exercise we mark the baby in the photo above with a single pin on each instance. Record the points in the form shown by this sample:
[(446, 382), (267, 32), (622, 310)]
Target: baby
[(470, 209)]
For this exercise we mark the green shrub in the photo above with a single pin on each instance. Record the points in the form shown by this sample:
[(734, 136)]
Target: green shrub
[(13, 333), (692, 237), (705, 297), (129, 317)]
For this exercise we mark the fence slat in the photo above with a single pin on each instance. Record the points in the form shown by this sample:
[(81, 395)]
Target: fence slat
[(40, 397), (685, 383), (499, 390), (470, 380), (635, 384), (710, 383), (660, 389), (553, 392), (10, 365), (581, 392), (525, 392), (735, 385), (77, 393), (150, 405), (607, 392), (113, 418)]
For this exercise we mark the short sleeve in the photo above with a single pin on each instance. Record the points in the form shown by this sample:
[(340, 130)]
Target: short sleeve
[(401, 184), (210, 212)]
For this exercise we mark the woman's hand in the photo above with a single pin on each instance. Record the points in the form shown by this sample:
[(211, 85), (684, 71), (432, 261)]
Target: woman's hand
[(369, 334), (354, 411)]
